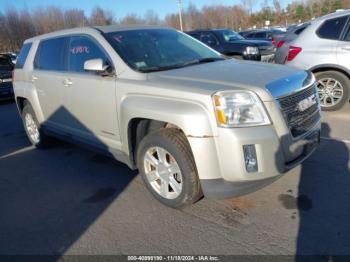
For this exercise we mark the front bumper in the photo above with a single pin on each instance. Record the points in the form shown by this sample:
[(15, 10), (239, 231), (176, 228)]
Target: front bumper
[(221, 164), (256, 57), (6, 91)]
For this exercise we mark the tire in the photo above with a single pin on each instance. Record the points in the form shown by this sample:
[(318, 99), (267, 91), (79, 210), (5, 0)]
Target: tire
[(40, 139), (329, 96), (173, 145)]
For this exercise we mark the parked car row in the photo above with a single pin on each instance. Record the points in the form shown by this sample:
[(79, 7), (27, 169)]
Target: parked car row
[(232, 44), (6, 68), (264, 34)]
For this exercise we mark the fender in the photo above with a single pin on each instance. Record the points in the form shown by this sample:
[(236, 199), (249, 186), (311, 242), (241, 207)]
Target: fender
[(193, 118)]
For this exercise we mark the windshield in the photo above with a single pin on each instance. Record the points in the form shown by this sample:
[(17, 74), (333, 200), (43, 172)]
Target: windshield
[(230, 36), (150, 50)]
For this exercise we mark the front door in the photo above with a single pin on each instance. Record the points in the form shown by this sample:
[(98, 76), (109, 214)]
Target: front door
[(91, 98)]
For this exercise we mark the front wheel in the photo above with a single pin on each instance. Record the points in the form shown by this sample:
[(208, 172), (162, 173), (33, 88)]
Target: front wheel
[(333, 89), (167, 166)]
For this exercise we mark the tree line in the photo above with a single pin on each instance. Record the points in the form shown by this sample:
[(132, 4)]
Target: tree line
[(18, 25)]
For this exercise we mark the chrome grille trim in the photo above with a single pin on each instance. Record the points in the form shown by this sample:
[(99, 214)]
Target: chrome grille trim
[(299, 123)]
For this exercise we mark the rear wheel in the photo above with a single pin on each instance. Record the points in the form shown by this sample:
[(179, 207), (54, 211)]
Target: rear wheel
[(32, 127), (167, 166), (333, 88)]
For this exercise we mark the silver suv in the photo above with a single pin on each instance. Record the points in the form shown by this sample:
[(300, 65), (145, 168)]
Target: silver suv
[(323, 47), (158, 100)]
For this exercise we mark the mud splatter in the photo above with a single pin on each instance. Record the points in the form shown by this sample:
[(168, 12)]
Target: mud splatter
[(240, 203), (302, 202)]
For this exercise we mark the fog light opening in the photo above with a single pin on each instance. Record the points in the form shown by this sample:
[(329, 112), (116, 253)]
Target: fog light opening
[(250, 159)]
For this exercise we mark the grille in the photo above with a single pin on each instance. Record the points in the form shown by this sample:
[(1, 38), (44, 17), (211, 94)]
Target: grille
[(300, 122)]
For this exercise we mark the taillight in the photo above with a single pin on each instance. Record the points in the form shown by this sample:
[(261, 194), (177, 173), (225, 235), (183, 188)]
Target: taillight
[(273, 41), (280, 44), (293, 52)]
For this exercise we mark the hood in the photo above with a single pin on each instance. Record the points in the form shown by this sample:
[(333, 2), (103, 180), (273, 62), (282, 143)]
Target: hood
[(249, 42), (269, 81)]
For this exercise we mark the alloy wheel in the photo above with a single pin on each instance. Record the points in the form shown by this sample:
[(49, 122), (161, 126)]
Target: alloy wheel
[(163, 172)]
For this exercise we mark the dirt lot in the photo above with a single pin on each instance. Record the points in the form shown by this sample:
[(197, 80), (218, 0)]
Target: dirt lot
[(67, 200)]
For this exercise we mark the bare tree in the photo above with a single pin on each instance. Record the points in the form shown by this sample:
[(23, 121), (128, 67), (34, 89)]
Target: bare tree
[(100, 16), (132, 19), (74, 18), (151, 18), (249, 5)]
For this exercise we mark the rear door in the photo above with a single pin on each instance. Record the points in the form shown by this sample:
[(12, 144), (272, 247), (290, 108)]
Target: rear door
[(91, 97), (329, 33), (47, 77), (343, 48)]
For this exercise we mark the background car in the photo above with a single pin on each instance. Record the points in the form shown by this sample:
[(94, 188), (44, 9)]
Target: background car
[(265, 34), (230, 43), (323, 47), (282, 41), (6, 68)]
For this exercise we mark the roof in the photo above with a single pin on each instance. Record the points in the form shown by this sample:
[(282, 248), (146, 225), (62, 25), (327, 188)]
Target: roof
[(334, 15), (114, 28), (104, 29)]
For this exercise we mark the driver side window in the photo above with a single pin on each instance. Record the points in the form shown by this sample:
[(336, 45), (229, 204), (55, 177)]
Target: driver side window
[(208, 39), (81, 49)]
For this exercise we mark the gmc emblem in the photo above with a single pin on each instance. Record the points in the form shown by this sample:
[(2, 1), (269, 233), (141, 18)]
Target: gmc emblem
[(307, 103)]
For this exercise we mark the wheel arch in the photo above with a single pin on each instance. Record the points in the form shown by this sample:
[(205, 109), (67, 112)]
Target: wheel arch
[(331, 67), (141, 115)]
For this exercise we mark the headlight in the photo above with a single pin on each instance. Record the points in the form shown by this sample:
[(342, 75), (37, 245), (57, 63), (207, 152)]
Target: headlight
[(251, 50), (239, 109)]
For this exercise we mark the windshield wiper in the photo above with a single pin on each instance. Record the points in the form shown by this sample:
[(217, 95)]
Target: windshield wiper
[(189, 63), (203, 60)]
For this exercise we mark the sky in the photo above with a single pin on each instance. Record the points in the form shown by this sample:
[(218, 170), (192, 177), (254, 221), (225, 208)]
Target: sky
[(120, 8)]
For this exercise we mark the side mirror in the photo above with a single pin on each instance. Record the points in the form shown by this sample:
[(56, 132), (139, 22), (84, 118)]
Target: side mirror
[(97, 66)]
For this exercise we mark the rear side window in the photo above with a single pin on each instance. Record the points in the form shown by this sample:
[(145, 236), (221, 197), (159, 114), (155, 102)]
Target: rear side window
[(260, 35), (81, 49), (51, 55), (22, 57), (195, 35), (300, 30), (331, 29)]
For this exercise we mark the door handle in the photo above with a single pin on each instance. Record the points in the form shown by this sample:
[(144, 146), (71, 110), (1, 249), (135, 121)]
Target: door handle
[(67, 82), (34, 78)]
